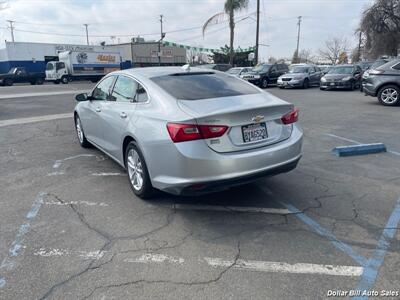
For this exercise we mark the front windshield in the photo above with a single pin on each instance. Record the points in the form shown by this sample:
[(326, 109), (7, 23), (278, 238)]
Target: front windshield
[(261, 68), (233, 71), (341, 70), (295, 70)]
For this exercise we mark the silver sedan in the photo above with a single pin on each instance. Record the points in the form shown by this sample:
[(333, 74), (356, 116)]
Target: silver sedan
[(188, 130)]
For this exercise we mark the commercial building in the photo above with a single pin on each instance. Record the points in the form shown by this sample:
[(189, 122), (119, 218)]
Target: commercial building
[(145, 53)]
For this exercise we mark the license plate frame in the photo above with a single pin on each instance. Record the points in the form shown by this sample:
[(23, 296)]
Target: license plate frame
[(254, 132)]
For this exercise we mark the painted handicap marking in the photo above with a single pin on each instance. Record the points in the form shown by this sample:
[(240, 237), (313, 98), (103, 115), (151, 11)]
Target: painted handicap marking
[(8, 262), (370, 265), (371, 268)]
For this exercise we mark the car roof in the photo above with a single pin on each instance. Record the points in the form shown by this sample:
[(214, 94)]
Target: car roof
[(149, 72)]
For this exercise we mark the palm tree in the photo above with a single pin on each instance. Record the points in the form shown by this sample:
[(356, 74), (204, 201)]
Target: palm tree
[(230, 7)]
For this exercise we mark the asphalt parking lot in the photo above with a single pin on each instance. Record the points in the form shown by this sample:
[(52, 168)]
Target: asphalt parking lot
[(70, 227)]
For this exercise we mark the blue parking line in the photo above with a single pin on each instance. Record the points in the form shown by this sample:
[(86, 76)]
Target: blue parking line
[(16, 246), (326, 233), (371, 269)]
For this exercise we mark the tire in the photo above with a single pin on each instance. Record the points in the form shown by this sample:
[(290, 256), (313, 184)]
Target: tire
[(281, 87), (56, 81), (322, 89), (352, 86), (134, 160), (389, 95), (264, 83), (32, 82), (8, 82), (306, 84), (64, 80), (93, 80), (80, 133), (39, 81)]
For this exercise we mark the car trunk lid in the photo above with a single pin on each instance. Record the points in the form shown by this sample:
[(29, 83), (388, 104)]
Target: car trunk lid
[(254, 120)]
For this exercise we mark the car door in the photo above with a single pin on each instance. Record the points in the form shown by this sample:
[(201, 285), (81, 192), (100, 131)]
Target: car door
[(91, 115), (273, 74), (314, 77), (119, 113)]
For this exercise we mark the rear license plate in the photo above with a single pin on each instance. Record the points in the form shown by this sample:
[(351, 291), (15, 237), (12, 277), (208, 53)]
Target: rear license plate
[(254, 132)]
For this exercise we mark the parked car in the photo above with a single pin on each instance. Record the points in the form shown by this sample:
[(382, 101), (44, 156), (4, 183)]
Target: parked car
[(365, 65), (384, 82), (300, 75), (379, 62), (219, 67), (20, 74), (188, 131), (265, 74), (342, 77), (238, 71)]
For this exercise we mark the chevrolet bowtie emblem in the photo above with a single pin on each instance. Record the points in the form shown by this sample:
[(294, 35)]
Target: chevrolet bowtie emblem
[(257, 119)]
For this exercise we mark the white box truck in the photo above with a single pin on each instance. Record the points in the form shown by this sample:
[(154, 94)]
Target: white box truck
[(82, 65)]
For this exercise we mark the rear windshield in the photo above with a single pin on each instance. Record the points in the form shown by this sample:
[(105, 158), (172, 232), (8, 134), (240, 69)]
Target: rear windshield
[(196, 86), (340, 70)]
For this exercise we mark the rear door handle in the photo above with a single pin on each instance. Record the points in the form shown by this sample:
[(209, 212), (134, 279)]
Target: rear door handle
[(123, 115), (98, 109)]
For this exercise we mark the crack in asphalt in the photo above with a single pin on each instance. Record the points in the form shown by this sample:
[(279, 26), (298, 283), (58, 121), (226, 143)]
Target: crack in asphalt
[(185, 283), (109, 242)]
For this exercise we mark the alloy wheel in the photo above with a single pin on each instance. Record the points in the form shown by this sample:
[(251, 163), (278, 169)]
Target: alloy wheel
[(389, 96), (135, 170)]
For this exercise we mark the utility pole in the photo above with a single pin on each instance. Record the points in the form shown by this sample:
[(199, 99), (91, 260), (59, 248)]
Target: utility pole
[(160, 41), (87, 33), (359, 46), (257, 33), (12, 29), (298, 36)]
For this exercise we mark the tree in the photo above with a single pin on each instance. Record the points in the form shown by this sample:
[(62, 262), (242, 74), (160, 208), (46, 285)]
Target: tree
[(333, 48), (305, 56), (380, 25), (223, 57), (230, 7), (343, 59)]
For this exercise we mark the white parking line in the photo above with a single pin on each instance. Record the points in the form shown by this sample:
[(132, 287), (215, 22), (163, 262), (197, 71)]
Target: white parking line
[(265, 210), (20, 121), (253, 265), (24, 95), (356, 142), (55, 252), (281, 267), (108, 174)]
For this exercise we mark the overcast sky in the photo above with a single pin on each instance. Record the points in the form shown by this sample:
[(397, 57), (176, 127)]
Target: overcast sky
[(322, 19)]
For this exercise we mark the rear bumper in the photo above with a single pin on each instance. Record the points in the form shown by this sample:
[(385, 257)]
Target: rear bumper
[(194, 168)]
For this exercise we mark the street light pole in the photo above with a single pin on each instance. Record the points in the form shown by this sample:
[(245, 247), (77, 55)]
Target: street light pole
[(160, 41), (298, 35), (87, 33), (257, 32)]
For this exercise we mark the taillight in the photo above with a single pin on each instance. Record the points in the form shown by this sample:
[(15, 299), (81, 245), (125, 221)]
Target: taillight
[(291, 117), (190, 132)]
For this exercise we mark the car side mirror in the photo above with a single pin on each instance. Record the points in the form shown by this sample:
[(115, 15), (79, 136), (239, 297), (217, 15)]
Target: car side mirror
[(82, 97)]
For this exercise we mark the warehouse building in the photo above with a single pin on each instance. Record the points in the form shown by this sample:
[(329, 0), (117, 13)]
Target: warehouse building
[(145, 53), (34, 56)]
